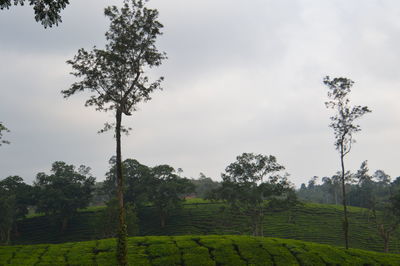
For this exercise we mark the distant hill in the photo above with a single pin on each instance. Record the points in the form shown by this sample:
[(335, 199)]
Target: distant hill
[(312, 222), (194, 251)]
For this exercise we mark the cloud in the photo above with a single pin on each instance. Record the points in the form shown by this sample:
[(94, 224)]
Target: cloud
[(241, 77)]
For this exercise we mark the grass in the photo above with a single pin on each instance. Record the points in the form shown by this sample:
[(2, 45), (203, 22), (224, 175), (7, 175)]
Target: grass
[(318, 223), (194, 250)]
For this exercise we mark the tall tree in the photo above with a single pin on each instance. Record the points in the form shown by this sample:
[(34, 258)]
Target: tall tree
[(116, 77), (3, 129), (344, 126), (248, 183), (46, 11), (64, 191)]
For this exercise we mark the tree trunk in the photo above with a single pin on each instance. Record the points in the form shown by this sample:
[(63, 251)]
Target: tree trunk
[(336, 200), (345, 221), (8, 236), (122, 245), (16, 231), (162, 219), (253, 223), (64, 224), (386, 243)]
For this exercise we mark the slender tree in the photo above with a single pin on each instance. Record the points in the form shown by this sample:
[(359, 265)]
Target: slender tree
[(115, 77), (46, 11), (3, 129), (343, 125)]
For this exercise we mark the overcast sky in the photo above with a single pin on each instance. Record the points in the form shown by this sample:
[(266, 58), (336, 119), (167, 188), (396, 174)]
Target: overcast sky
[(241, 76)]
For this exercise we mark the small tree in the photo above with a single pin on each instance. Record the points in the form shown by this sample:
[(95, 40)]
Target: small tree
[(204, 186), (166, 190), (46, 11), (343, 125), (116, 78), (387, 218), (248, 183), (3, 129), (63, 192)]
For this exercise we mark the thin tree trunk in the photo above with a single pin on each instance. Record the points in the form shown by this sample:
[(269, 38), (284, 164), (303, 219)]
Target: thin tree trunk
[(386, 243), (122, 245), (345, 222), (162, 219), (16, 231), (8, 236), (64, 224)]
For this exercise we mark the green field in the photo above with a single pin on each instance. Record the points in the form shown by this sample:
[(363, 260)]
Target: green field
[(194, 251), (318, 223)]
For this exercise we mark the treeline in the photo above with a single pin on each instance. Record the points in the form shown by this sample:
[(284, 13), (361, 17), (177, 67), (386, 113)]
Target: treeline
[(59, 194), (68, 188), (364, 190), (377, 193), (250, 185)]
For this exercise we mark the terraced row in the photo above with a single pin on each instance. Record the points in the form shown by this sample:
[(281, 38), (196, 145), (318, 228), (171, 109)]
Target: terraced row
[(194, 251), (310, 222)]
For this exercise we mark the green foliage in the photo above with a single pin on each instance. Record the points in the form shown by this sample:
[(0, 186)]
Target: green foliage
[(64, 191), (47, 12), (167, 190), (194, 250), (204, 186), (107, 222), (2, 130), (363, 190), (159, 186), (15, 197), (246, 189), (345, 115), (116, 75), (136, 179)]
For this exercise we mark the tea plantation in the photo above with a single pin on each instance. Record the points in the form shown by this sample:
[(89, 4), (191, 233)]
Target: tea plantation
[(318, 223), (194, 251)]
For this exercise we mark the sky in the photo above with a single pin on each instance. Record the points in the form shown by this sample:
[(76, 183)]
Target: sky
[(241, 76)]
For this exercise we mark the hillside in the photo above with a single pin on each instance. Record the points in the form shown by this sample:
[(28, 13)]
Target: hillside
[(312, 222), (193, 251)]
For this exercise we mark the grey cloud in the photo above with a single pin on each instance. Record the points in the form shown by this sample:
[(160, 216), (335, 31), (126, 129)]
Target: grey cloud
[(241, 77)]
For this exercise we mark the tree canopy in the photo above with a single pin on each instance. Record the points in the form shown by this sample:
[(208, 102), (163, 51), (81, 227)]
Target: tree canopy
[(15, 197), (249, 182), (47, 12), (137, 178), (2, 130), (159, 186), (167, 190), (64, 191)]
